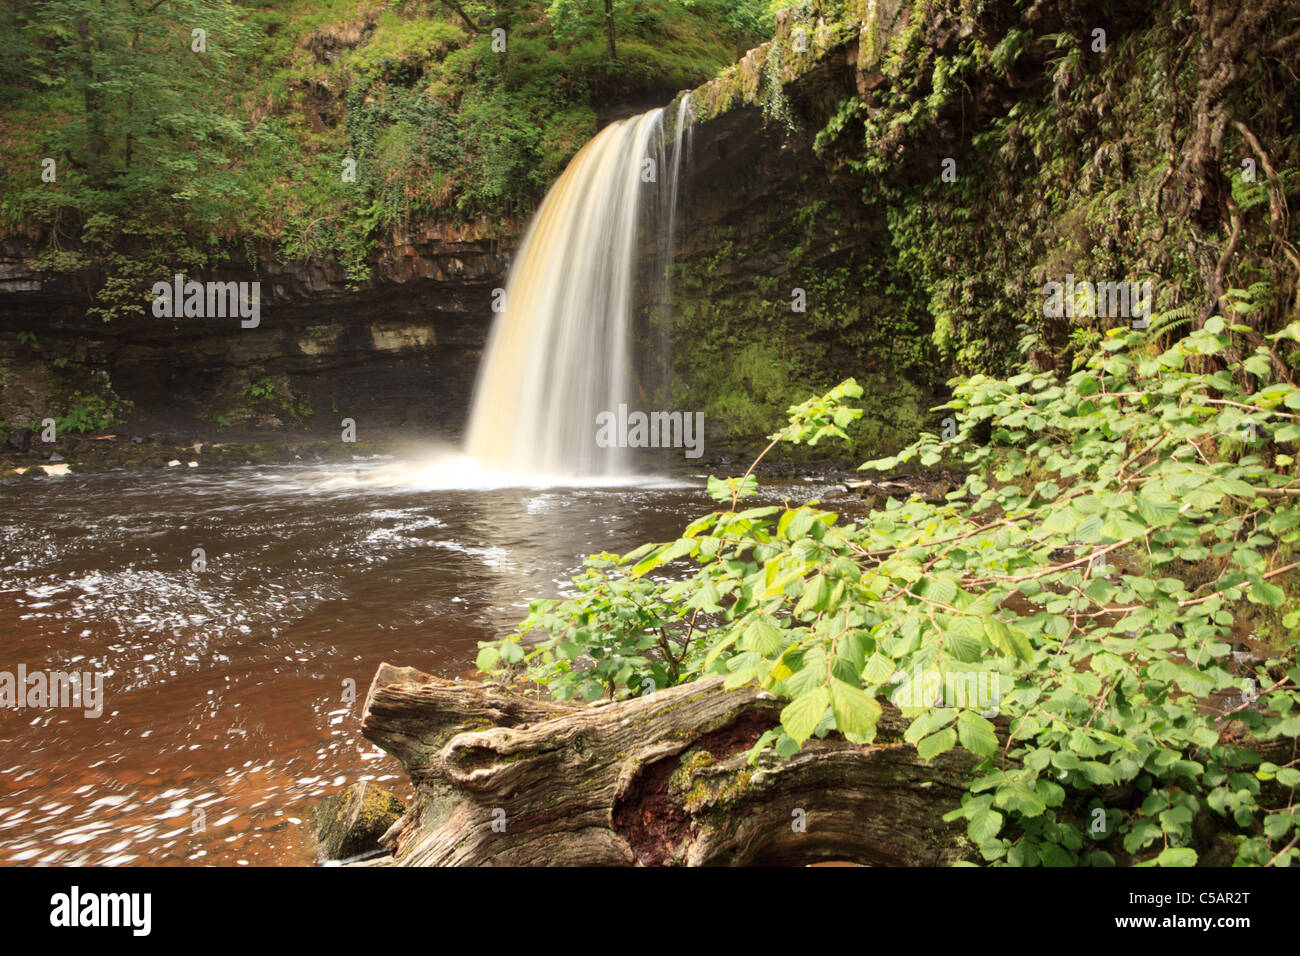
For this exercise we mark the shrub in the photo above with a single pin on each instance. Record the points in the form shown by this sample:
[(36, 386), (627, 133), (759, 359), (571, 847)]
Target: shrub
[(1117, 529)]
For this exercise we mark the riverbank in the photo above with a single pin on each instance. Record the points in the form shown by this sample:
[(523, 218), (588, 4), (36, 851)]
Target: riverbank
[(113, 452), (147, 445)]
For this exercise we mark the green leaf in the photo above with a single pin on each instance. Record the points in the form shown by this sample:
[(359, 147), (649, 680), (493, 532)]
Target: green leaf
[(964, 638), (762, 636), (1020, 799), (1176, 856), (646, 548), (1258, 365), (1156, 512), (1007, 639), (939, 590), (487, 659), (680, 547), (802, 715), (977, 734), (984, 825), (856, 712), (706, 599), (879, 669), (927, 723), (935, 744), (1289, 777), (1268, 594), (815, 596), (795, 524)]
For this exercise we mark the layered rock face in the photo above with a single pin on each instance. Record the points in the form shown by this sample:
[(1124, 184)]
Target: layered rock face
[(929, 168), (398, 351)]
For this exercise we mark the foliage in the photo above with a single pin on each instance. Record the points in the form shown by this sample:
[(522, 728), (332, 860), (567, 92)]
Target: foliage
[(134, 120), (276, 394), (170, 159), (89, 411), (1118, 529), (774, 102)]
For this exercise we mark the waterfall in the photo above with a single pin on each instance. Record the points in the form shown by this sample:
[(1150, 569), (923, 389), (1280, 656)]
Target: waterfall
[(561, 352)]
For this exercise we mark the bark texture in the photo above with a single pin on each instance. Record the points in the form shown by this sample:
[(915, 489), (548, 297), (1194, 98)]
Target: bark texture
[(503, 779)]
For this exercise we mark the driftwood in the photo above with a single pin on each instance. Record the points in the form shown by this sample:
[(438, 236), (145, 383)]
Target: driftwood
[(932, 487), (504, 779)]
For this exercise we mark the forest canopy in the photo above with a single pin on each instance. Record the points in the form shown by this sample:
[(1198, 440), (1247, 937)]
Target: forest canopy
[(165, 133)]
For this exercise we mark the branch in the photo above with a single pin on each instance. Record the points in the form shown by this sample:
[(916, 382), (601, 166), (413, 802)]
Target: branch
[(1279, 853), (460, 12)]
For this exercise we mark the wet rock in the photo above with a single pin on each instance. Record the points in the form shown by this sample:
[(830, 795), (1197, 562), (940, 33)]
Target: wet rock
[(350, 823), (932, 487)]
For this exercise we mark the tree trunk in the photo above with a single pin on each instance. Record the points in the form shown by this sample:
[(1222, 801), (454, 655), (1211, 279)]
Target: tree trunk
[(465, 17), (659, 780), (1234, 38), (609, 28), (92, 100)]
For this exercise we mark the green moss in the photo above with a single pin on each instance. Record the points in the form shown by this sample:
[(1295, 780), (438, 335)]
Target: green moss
[(1070, 176), (860, 317), (697, 790)]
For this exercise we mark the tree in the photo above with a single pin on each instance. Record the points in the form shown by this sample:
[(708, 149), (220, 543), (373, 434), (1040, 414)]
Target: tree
[(145, 165), (574, 18)]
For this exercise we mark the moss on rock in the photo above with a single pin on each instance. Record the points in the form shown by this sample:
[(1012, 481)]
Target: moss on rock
[(350, 823)]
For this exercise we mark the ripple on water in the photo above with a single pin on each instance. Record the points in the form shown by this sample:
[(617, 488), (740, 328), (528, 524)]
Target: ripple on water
[(232, 693)]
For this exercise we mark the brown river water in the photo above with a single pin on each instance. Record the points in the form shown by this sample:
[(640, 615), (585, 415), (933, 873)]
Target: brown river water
[(226, 704)]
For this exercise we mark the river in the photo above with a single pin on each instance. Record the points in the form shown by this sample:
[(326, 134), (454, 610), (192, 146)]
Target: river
[(232, 693)]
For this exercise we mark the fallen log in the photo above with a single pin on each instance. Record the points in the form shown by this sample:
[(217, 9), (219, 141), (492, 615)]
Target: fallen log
[(504, 779)]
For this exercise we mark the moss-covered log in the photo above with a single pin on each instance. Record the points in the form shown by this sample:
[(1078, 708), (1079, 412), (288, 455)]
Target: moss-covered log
[(503, 779)]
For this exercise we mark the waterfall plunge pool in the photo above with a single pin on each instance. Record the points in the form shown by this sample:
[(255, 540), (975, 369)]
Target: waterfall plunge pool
[(232, 694)]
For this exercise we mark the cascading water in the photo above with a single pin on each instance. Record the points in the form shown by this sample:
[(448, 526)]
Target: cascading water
[(561, 352)]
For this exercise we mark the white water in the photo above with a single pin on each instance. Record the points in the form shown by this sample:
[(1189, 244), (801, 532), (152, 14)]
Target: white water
[(560, 353), (447, 470)]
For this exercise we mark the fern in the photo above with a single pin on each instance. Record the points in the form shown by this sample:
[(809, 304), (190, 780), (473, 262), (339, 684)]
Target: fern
[(1247, 301), (1163, 322), (1249, 194)]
